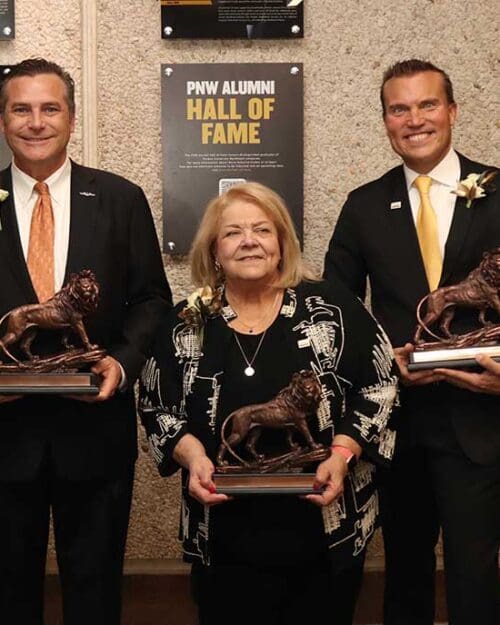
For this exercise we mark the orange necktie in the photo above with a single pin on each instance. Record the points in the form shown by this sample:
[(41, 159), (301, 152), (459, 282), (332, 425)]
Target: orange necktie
[(427, 231), (41, 245)]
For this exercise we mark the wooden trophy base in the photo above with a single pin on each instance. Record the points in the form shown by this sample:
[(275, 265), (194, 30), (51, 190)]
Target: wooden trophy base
[(78, 383), (265, 483)]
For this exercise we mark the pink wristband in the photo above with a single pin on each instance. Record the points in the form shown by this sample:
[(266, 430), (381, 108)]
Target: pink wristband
[(343, 451)]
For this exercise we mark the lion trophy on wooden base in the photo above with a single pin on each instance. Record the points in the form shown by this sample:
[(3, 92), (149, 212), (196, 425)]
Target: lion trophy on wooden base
[(479, 290), (288, 411), (64, 311)]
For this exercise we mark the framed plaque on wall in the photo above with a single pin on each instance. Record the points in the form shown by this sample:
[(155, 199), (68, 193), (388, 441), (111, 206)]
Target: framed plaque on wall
[(232, 19), (225, 123), (5, 153), (7, 19)]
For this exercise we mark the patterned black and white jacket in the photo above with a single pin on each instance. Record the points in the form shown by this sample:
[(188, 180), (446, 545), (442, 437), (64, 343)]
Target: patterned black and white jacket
[(328, 331)]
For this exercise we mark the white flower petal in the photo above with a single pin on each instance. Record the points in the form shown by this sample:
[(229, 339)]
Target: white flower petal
[(472, 178)]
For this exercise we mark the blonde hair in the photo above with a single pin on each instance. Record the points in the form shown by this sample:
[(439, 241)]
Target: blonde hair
[(202, 256)]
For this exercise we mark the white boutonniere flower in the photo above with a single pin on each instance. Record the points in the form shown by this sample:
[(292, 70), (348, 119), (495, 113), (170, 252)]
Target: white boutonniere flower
[(476, 186), (202, 304)]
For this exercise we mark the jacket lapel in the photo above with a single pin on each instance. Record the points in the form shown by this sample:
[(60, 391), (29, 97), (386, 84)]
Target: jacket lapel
[(84, 212), (402, 233), (216, 340), (203, 400), (10, 241), (461, 222)]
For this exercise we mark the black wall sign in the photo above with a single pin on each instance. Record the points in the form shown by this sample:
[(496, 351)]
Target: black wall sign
[(223, 123), (232, 19), (5, 153), (7, 19)]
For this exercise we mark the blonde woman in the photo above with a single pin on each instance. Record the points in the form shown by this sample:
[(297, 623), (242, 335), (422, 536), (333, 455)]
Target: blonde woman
[(264, 317)]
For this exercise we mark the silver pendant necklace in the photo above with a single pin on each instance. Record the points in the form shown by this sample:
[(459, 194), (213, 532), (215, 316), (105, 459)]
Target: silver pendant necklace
[(249, 370)]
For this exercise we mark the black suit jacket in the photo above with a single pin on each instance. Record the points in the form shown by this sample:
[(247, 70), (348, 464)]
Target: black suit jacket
[(112, 233), (373, 241)]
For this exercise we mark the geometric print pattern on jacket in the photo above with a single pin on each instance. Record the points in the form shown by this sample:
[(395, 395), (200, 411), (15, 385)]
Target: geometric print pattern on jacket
[(328, 331)]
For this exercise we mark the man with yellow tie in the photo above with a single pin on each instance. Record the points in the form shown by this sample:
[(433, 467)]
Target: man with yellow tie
[(408, 232)]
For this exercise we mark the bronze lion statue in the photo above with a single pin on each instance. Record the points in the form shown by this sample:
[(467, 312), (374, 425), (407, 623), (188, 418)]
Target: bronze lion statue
[(65, 310), (288, 410), (480, 289)]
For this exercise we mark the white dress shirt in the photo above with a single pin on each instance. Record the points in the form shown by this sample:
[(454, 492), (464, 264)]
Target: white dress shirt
[(445, 177), (25, 198)]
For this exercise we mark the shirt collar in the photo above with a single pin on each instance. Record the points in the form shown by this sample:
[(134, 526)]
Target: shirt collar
[(23, 183), (446, 172), (288, 306)]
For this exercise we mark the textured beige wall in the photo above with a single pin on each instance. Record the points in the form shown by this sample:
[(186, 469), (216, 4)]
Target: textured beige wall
[(347, 46), (49, 28)]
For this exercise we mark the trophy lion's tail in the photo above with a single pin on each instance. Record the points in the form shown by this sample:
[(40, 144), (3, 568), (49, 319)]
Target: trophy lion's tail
[(7, 353), (224, 440), (5, 317), (2, 346), (421, 321)]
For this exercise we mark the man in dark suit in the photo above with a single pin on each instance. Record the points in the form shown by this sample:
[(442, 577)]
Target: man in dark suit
[(447, 468), (72, 457)]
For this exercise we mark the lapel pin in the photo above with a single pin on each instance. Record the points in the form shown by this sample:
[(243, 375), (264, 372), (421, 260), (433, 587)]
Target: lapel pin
[(87, 193), (395, 205)]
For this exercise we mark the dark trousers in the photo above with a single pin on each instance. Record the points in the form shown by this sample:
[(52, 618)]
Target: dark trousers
[(427, 489), (293, 595), (468, 499), (410, 527), (90, 526)]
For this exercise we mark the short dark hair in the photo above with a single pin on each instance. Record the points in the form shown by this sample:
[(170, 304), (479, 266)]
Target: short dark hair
[(34, 67), (410, 68)]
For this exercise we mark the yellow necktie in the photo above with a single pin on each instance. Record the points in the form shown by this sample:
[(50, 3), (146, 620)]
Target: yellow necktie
[(41, 245), (427, 232)]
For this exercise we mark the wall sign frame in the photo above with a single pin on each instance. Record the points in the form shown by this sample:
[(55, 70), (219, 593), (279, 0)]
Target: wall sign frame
[(232, 19), (7, 20), (5, 153), (224, 123)]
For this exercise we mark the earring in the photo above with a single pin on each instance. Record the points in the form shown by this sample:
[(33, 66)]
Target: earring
[(217, 266)]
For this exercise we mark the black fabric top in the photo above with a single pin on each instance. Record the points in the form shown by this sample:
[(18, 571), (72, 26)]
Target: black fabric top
[(276, 529), (193, 379)]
